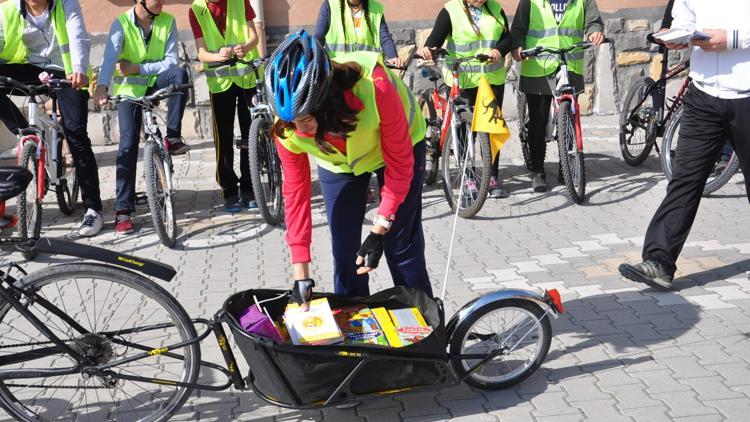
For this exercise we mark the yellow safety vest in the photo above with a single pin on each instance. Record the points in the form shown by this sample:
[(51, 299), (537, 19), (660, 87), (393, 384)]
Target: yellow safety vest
[(342, 40), (545, 31), (135, 51), (221, 78), (464, 41)]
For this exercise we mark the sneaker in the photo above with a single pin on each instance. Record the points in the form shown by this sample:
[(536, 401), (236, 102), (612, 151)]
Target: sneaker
[(92, 223), (497, 190), (539, 182), (470, 192), (241, 143), (232, 204), (123, 224), (176, 146), (247, 200), (649, 272)]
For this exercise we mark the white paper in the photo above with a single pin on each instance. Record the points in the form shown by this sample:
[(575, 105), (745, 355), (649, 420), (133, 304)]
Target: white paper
[(680, 36)]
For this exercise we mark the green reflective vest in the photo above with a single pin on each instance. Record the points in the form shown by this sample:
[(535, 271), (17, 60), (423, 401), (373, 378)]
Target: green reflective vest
[(135, 51), (464, 41), (221, 78), (14, 51), (342, 40), (363, 152), (544, 31)]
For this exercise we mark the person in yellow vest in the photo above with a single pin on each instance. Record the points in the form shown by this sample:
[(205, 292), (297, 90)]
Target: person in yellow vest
[(552, 23), (474, 27), (142, 49), (346, 26), (50, 35), (224, 30), (356, 118)]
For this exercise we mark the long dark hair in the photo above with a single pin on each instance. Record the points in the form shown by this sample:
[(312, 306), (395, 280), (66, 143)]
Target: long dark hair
[(334, 115), (366, 9), (486, 6)]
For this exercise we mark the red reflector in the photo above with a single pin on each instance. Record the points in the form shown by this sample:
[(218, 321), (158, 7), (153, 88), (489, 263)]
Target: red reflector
[(554, 297)]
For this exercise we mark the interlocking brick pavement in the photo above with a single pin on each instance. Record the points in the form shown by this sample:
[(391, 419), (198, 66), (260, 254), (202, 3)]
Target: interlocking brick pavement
[(620, 352)]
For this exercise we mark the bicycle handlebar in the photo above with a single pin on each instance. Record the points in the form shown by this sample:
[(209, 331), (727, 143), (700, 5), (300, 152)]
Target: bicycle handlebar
[(441, 54), (47, 85), (533, 52), (234, 60), (148, 100)]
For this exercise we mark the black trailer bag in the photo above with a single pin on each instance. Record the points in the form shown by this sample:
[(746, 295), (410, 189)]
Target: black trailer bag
[(308, 375)]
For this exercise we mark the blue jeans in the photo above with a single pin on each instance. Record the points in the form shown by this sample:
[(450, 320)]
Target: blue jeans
[(345, 197), (130, 120)]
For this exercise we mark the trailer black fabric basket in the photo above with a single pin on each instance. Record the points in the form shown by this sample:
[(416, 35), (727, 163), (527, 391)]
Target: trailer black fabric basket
[(309, 375)]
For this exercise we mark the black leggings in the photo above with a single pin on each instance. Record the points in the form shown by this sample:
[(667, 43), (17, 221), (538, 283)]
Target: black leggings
[(538, 106)]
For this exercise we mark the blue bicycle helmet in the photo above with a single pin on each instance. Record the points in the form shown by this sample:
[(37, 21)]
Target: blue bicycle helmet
[(298, 76)]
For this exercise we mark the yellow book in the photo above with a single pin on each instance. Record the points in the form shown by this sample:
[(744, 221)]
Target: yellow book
[(384, 320), (312, 327)]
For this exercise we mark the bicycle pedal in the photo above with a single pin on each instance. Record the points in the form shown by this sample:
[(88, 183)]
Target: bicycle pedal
[(141, 199)]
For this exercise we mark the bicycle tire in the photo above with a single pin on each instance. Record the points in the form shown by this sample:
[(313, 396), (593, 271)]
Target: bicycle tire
[(66, 196), (452, 166), (265, 163), (102, 278), (476, 320), (523, 129), (571, 159), (629, 150), (160, 199), (432, 162), (28, 204), (669, 147)]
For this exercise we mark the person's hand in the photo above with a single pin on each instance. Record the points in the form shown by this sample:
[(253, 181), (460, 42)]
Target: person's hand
[(100, 96), (370, 252), (240, 50), (495, 55), (396, 61), (675, 46), (517, 54), (78, 80), (717, 42), (126, 68), (226, 53), (425, 52), (302, 292), (596, 38)]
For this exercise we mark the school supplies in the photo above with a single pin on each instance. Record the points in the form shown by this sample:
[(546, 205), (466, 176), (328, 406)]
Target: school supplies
[(315, 326)]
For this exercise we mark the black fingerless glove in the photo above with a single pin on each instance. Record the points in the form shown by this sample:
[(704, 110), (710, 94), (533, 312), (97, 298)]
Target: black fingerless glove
[(371, 250), (302, 291)]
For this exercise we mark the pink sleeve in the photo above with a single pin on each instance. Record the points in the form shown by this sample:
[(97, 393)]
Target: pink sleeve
[(296, 190), (395, 142)]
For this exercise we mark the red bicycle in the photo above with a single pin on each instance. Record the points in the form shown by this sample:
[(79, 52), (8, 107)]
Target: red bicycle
[(467, 157)]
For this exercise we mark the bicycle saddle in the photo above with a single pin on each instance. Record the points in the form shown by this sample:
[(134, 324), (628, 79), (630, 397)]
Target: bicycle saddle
[(13, 180)]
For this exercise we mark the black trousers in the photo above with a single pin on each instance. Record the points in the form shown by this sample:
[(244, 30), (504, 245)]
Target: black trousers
[(706, 125), (471, 95), (74, 110), (538, 109), (223, 107)]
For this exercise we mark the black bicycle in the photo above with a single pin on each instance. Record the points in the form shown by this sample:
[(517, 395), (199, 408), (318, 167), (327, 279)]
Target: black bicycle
[(100, 341)]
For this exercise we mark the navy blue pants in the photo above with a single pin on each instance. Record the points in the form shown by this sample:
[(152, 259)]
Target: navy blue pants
[(130, 119), (345, 197)]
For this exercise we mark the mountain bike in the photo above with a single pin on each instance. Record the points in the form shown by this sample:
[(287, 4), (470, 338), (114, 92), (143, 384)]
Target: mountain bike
[(43, 149), (567, 119), (157, 163), (466, 155), (647, 115), (101, 341)]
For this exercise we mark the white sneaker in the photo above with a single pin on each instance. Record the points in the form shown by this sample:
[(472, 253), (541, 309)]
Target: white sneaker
[(92, 223)]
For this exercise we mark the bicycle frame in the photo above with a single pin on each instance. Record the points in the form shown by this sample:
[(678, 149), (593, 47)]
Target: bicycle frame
[(565, 92), (153, 135)]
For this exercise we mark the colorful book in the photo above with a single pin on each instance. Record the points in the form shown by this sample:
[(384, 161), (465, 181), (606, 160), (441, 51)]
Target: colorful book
[(315, 326), (410, 325), (359, 325), (389, 330)]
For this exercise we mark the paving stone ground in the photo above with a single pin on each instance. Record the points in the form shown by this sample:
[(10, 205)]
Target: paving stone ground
[(619, 353)]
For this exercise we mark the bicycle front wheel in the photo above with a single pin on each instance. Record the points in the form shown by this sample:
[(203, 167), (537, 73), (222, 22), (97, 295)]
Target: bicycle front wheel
[(67, 188), (29, 202), (724, 168), (265, 172), (160, 198), (432, 161), (106, 314), (523, 129), (571, 158), (470, 152), (637, 122)]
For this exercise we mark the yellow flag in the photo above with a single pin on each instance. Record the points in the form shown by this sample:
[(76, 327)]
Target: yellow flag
[(488, 117)]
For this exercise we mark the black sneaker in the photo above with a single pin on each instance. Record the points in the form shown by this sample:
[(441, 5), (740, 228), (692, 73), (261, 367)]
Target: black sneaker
[(648, 272), (176, 146)]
